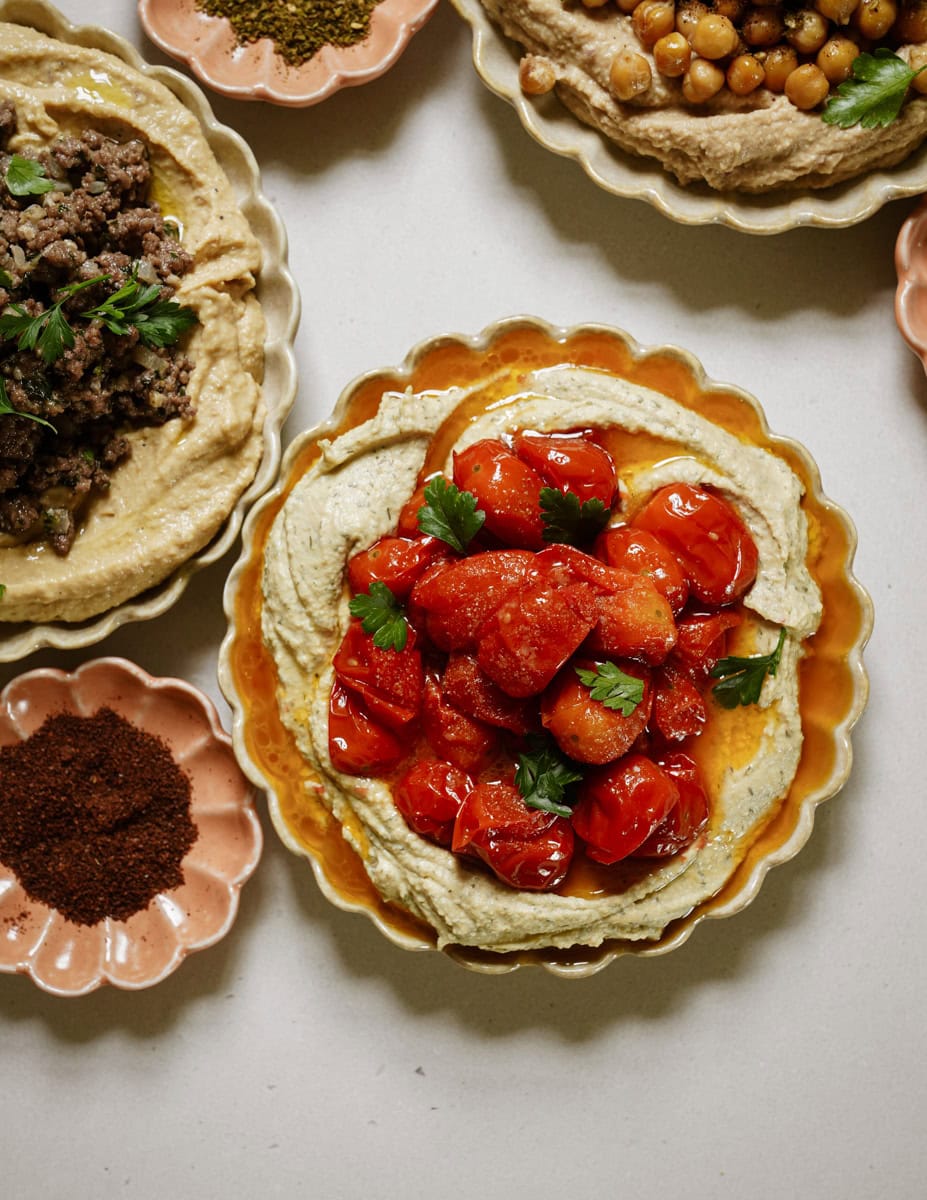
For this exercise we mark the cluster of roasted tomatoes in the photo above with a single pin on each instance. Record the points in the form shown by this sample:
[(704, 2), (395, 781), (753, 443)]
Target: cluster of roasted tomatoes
[(536, 697)]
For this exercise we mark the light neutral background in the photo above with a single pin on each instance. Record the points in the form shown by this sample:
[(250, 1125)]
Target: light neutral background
[(777, 1054)]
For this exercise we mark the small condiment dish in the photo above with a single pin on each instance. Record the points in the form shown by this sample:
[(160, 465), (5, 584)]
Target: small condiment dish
[(911, 293), (256, 72), (66, 959)]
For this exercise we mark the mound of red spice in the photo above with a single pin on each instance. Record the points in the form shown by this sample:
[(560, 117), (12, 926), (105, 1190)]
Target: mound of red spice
[(94, 816)]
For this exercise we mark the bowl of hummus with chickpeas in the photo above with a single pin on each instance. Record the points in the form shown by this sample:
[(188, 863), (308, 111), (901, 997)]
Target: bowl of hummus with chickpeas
[(753, 113)]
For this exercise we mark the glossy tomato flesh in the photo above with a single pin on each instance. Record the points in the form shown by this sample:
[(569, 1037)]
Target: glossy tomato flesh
[(506, 489), (394, 561), (621, 805), (390, 683), (643, 553), (471, 690), (453, 602), (687, 818), (453, 735), (679, 708), (358, 745), (524, 847), (429, 796), (570, 463), (585, 729)]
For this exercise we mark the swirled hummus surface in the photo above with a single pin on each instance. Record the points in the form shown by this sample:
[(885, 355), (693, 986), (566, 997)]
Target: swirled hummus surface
[(184, 477), (352, 495)]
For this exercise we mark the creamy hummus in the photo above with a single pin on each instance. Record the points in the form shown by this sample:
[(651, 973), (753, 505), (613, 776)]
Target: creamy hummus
[(749, 144), (352, 496), (183, 478)]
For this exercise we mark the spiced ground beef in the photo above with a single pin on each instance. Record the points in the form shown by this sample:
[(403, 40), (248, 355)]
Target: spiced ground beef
[(97, 220)]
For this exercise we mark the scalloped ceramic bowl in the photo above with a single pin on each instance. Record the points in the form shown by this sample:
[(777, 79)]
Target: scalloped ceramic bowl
[(70, 960), (834, 682), (255, 72), (279, 299), (911, 293), (552, 125)]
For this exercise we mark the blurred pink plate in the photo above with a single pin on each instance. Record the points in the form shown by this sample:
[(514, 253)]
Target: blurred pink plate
[(255, 72), (70, 960), (911, 294)]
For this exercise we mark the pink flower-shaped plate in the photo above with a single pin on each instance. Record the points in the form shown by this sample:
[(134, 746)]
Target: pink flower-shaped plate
[(70, 960), (256, 72), (911, 294)]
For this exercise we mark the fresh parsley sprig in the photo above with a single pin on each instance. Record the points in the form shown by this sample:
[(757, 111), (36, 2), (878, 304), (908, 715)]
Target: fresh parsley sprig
[(26, 177), (566, 519), (48, 333), (613, 687), (874, 93), (159, 322), (450, 514), (7, 408), (382, 615), (742, 678), (544, 775)]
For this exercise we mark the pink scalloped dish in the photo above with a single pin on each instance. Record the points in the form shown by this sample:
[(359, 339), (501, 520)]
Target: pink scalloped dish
[(72, 956), (911, 294)]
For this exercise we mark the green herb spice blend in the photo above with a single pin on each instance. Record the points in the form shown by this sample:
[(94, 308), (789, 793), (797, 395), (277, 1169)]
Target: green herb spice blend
[(298, 28)]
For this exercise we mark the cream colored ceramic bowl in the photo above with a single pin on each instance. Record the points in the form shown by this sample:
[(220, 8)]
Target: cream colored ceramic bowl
[(255, 72), (552, 125), (833, 678), (276, 292), (70, 960)]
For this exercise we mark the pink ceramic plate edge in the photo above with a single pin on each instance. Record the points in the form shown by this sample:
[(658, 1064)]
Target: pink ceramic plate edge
[(911, 292), (207, 46), (70, 960)]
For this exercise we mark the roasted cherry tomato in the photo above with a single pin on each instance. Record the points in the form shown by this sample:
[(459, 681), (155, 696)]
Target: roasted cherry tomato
[(389, 682), (452, 734), (620, 806), (457, 599), (398, 562), (429, 796), (407, 526), (586, 729), (524, 847), (471, 690), (700, 640), (506, 489), (570, 463), (678, 707), (530, 636), (357, 744), (643, 553), (634, 621), (688, 816), (706, 536), (562, 564)]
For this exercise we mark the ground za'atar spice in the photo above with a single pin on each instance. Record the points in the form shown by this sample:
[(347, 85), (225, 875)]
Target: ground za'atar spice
[(298, 28), (94, 816)]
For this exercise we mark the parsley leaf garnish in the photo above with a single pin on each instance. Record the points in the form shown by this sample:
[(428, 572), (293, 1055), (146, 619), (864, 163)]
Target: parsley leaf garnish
[(450, 514), (742, 678), (543, 776), (613, 687), (874, 93), (159, 322), (567, 520), (7, 407), (26, 177), (382, 615), (49, 333)]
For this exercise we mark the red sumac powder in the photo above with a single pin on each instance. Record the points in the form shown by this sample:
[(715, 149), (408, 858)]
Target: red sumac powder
[(94, 816)]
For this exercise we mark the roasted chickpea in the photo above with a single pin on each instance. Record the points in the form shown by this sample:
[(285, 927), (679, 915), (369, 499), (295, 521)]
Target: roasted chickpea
[(536, 75), (703, 80), (652, 20), (836, 58), (763, 27), (838, 11), (917, 60), (629, 74), (688, 15), (911, 22), (714, 37), (806, 30), (779, 64), (732, 9), (672, 55), (628, 6), (874, 18), (807, 86), (745, 74)]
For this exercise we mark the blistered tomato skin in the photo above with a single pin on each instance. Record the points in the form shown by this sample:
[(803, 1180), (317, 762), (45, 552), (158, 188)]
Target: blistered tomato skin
[(701, 640), (471, 690), (679, 709), (586, 729), (708, 539), (453, 735), (389, 682), (687, 818), (634, 621), (621, 805), (358, 745), (429, 796), (570, 463), (637, 550), (506, 489), (394, 561), (525, 848), (453, 602)]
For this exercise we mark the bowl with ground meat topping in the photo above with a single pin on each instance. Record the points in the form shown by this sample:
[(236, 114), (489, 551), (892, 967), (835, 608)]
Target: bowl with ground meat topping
[(291, 54), (759, 117), (146, 327)]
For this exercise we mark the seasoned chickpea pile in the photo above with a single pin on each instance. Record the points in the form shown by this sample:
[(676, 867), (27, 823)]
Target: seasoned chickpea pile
[(801, 50)]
